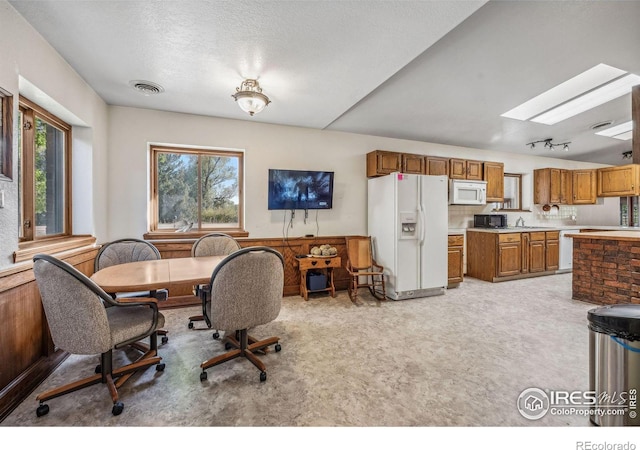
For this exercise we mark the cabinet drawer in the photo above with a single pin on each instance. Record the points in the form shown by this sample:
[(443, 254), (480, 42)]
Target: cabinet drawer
[(318, 263), (553, 235), (537, 236), (455, 240), (508, 237)]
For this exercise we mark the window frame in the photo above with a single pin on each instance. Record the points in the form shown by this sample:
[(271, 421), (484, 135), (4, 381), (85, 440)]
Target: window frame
[(519, 177), (31, 111), (6, 135), (197, 231)]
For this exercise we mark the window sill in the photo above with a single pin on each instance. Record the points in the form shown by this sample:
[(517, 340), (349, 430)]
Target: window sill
[(192, 234), (27, 250)]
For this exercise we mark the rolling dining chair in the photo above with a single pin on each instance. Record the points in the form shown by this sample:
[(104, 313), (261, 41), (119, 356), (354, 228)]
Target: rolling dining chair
[(81, 324), (124, 251), (360, 264), (212, 244), (247, 288)]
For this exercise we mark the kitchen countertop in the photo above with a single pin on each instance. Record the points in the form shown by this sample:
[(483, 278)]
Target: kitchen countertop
[(617, 235), (514, 229)]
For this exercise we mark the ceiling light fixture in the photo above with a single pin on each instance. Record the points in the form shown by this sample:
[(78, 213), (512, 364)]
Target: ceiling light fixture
[(550, 145), (590, 100), (622, 131), (250, 97), (578, 85)]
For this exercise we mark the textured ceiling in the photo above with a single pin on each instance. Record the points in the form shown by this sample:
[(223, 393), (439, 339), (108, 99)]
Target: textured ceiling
[(435, 71)]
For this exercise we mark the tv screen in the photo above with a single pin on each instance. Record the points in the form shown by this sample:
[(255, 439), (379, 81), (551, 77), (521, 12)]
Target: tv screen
[(300, 189)]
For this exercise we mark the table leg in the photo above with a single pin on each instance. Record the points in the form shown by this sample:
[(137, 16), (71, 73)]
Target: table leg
[(303, 285)]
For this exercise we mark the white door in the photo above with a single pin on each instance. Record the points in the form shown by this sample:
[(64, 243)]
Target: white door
[(407, 249), (434, 254)]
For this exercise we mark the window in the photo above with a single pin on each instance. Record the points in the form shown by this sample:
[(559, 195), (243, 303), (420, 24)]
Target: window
[(512, 192), (196, 190), (43, 173), (6, 132)]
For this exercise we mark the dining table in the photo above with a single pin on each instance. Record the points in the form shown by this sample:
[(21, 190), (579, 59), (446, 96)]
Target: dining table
[(156, 274)]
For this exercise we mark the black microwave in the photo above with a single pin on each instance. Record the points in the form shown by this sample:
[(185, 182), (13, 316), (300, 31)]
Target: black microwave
[(490, 220)]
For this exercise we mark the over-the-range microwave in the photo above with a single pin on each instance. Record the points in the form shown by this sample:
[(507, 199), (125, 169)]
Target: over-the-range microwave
[(467, 192)]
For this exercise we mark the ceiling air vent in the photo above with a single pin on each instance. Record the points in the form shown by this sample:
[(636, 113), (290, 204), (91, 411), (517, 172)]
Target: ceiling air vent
[(146, 87), (599, 125)]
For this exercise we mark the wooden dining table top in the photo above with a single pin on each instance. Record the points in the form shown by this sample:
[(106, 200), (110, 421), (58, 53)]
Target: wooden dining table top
[(157, 274)]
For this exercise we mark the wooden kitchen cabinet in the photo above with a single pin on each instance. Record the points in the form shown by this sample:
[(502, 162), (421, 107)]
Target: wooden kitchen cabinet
[(533, 252), (552, 251), (493, 174), (383, 162), (618, 181), (436, 165), (508, 256), (455, 260), (552, 186), (584, 187), (414, 164), (465, 169)]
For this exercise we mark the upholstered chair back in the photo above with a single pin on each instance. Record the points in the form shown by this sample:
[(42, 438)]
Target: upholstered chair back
[(215, 244), (125, 251), (73, 305), (247, 288)]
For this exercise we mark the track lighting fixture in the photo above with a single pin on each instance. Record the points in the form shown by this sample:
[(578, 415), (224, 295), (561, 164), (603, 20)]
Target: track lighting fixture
[(550, 145)]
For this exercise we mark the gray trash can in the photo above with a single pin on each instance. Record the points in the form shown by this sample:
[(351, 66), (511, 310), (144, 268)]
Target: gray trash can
[(614, 364)]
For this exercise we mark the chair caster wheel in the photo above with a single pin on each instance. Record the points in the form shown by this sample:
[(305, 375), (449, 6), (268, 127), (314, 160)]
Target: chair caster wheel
[(165, 339), (203, 376), (42, 410), (278, 347), (160, 367), (190, 325), (98, 369), (263, 376), (227, 346), (117, 408), (216, 335)]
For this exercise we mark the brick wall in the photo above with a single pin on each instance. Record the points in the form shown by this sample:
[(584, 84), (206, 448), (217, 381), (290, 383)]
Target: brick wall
[(606, 271)]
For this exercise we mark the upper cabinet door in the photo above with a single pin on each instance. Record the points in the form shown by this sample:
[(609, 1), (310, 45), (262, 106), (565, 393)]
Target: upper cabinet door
[(457, 168), (474, 170), (437, 166), (413, 164), (494, 176), (584, 187), (382, 162), (619, 181)]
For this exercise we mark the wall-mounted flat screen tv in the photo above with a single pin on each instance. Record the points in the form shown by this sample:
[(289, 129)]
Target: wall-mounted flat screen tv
[(300, 189)]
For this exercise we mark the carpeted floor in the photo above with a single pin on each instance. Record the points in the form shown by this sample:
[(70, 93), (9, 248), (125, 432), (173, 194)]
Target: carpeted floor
[(460, 359)]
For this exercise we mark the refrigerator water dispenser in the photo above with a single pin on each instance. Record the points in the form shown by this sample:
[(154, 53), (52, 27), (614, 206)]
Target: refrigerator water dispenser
[(408, 222)]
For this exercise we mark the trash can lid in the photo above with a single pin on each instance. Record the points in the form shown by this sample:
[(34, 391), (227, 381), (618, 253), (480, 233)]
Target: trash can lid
[(622, 321)]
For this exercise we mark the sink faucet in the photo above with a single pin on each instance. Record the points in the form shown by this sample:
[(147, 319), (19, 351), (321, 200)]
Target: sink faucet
[(520, 221)]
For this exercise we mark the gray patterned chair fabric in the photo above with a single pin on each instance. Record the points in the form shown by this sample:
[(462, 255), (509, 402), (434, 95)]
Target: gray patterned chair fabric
[(246, 290), (212, 244), (80, 324), (124, 251)]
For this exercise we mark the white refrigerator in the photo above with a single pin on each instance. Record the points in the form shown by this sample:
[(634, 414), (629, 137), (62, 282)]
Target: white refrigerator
[(408, 221)]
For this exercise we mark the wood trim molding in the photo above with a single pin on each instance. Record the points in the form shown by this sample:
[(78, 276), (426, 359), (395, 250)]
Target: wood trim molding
[(28, 250), (190, 235)]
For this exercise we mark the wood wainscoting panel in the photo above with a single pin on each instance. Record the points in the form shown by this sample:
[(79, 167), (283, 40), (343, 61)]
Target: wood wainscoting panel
[(27, 353), (288, 248)]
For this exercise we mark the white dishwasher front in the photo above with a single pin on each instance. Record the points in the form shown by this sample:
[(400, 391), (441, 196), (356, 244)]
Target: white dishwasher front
[(566, 251)]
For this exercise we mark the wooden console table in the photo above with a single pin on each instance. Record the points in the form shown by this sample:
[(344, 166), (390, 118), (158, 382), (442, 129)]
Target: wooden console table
[(318, 263)]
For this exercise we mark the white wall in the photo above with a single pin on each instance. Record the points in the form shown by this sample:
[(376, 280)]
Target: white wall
[(31, 67), (282, 147)]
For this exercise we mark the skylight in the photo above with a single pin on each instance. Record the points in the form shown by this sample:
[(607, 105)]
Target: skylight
[(622, 131), (578, 85)]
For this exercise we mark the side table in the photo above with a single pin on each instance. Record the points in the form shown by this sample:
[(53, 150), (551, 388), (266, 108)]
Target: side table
[(324, 263)]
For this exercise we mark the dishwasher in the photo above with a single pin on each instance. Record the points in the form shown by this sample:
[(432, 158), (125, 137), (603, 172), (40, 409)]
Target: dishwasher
[(566, 251)]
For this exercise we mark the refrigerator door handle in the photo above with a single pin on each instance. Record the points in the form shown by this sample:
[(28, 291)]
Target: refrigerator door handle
[(423, 221)]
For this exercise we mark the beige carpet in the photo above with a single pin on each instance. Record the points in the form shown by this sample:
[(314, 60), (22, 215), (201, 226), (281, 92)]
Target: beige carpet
[(460, 359)]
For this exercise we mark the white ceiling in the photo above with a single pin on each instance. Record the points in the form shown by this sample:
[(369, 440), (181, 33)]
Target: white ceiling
[(434, 71)]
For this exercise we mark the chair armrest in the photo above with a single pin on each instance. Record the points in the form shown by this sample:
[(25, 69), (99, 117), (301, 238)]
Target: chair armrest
[(136, 301)]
